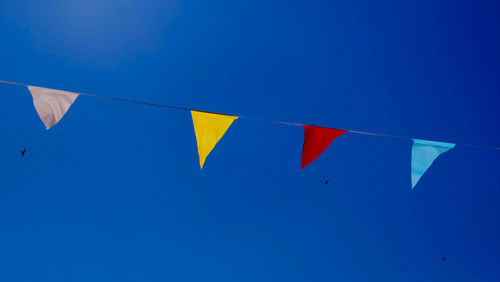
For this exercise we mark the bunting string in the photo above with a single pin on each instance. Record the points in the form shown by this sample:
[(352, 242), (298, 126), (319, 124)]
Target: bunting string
[(245, 117), (209, 127)]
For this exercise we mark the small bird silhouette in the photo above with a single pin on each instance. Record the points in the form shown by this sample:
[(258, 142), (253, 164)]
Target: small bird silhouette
[(444, 259), (23, 152)]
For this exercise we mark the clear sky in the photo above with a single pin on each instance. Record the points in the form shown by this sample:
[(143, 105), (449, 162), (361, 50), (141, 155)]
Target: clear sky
[(114, 191)]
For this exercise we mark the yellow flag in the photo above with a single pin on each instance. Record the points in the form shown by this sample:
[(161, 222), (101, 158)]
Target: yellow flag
[(209, 129)]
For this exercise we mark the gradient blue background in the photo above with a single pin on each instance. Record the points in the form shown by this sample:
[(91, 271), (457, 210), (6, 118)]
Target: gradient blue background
[(114, 191)]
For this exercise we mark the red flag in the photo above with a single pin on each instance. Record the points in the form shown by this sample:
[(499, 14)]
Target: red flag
[(316, 140)]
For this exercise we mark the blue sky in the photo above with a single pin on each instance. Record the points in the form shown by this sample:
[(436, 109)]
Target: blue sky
[(114, 191)]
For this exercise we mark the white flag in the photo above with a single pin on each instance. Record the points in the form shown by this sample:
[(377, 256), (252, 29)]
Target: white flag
[(51, 104)]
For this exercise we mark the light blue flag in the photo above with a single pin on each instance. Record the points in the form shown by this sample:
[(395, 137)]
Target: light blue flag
[(423, 155)]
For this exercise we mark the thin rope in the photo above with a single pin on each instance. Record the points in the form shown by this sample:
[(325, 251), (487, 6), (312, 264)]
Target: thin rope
[(249, 118)]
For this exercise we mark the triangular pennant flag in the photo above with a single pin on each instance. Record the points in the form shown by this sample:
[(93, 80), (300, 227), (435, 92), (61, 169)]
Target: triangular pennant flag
[(209, 129), (316, 140), (51, 104), (423, 155)]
